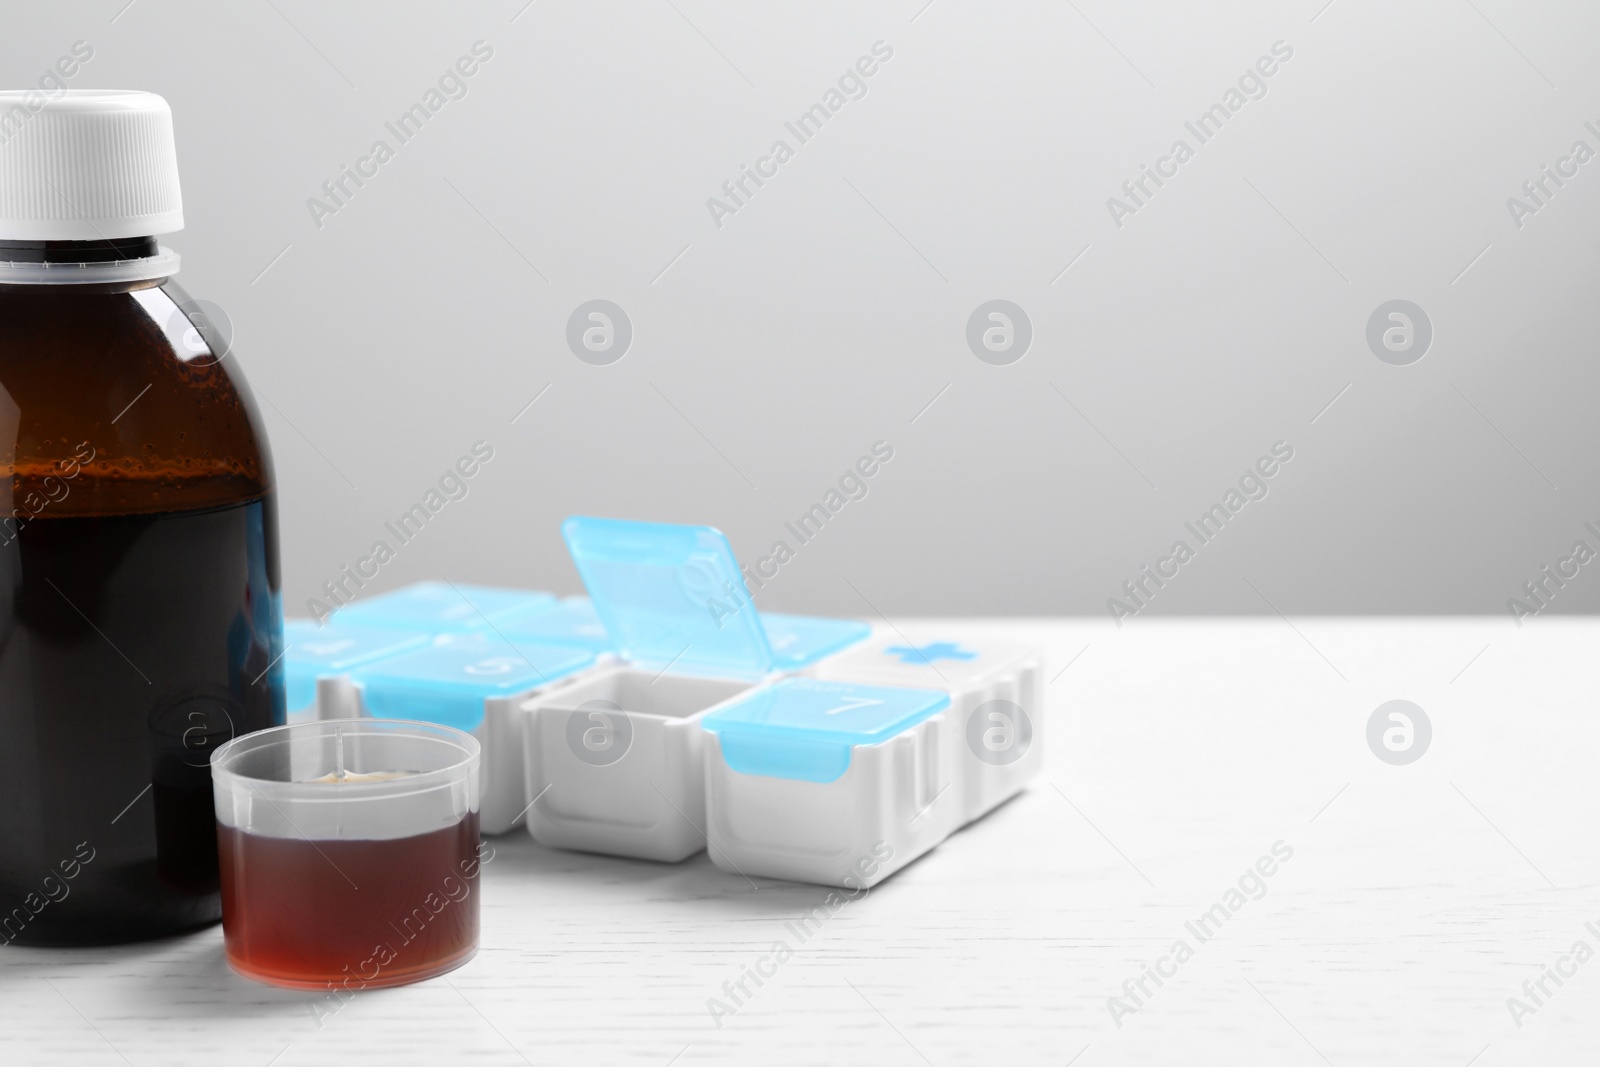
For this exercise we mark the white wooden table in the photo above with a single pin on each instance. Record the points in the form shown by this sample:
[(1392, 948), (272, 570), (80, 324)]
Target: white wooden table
[(1418, 899)]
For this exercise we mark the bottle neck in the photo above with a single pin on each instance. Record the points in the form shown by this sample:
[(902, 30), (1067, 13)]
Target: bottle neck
[(75, 252), (124, 259)]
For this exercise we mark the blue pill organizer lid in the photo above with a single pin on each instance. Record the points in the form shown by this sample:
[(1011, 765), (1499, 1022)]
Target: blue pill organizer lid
[(446, 682), (571, 622), (670, 596), (312, 651), (805, 728), (444, 607), (798, 641)]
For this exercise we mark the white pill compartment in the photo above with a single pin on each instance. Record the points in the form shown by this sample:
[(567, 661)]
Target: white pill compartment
[(614, 760)]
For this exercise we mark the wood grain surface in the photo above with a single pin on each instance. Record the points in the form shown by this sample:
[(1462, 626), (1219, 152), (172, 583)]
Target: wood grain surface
[(1416, 901)]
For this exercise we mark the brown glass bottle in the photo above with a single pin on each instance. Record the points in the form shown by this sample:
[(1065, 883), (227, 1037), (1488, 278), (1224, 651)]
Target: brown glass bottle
[(140, 610)]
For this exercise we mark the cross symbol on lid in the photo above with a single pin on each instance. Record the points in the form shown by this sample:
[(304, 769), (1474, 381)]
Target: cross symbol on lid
[(928, 653)]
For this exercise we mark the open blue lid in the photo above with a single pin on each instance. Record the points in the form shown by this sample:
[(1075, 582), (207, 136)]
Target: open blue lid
[(447, 681), (312, 652), (805, 728), (670, 595)]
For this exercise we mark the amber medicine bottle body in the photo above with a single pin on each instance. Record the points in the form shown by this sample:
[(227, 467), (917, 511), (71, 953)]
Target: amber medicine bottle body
[(140, 611)]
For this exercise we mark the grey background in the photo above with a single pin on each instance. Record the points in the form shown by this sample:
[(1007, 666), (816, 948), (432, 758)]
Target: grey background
[(770, 353)]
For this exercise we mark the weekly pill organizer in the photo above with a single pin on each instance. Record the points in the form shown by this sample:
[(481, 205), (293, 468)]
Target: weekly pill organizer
[(663, 714)]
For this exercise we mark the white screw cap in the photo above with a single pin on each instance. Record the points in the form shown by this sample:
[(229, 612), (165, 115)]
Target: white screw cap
[(87, 165)]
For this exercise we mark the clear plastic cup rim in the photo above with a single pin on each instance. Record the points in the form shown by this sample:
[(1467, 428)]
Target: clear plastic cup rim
[(343, 792)]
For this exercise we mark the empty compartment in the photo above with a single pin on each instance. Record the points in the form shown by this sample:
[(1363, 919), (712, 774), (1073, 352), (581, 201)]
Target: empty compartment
[(639, 692), (613, 762)]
